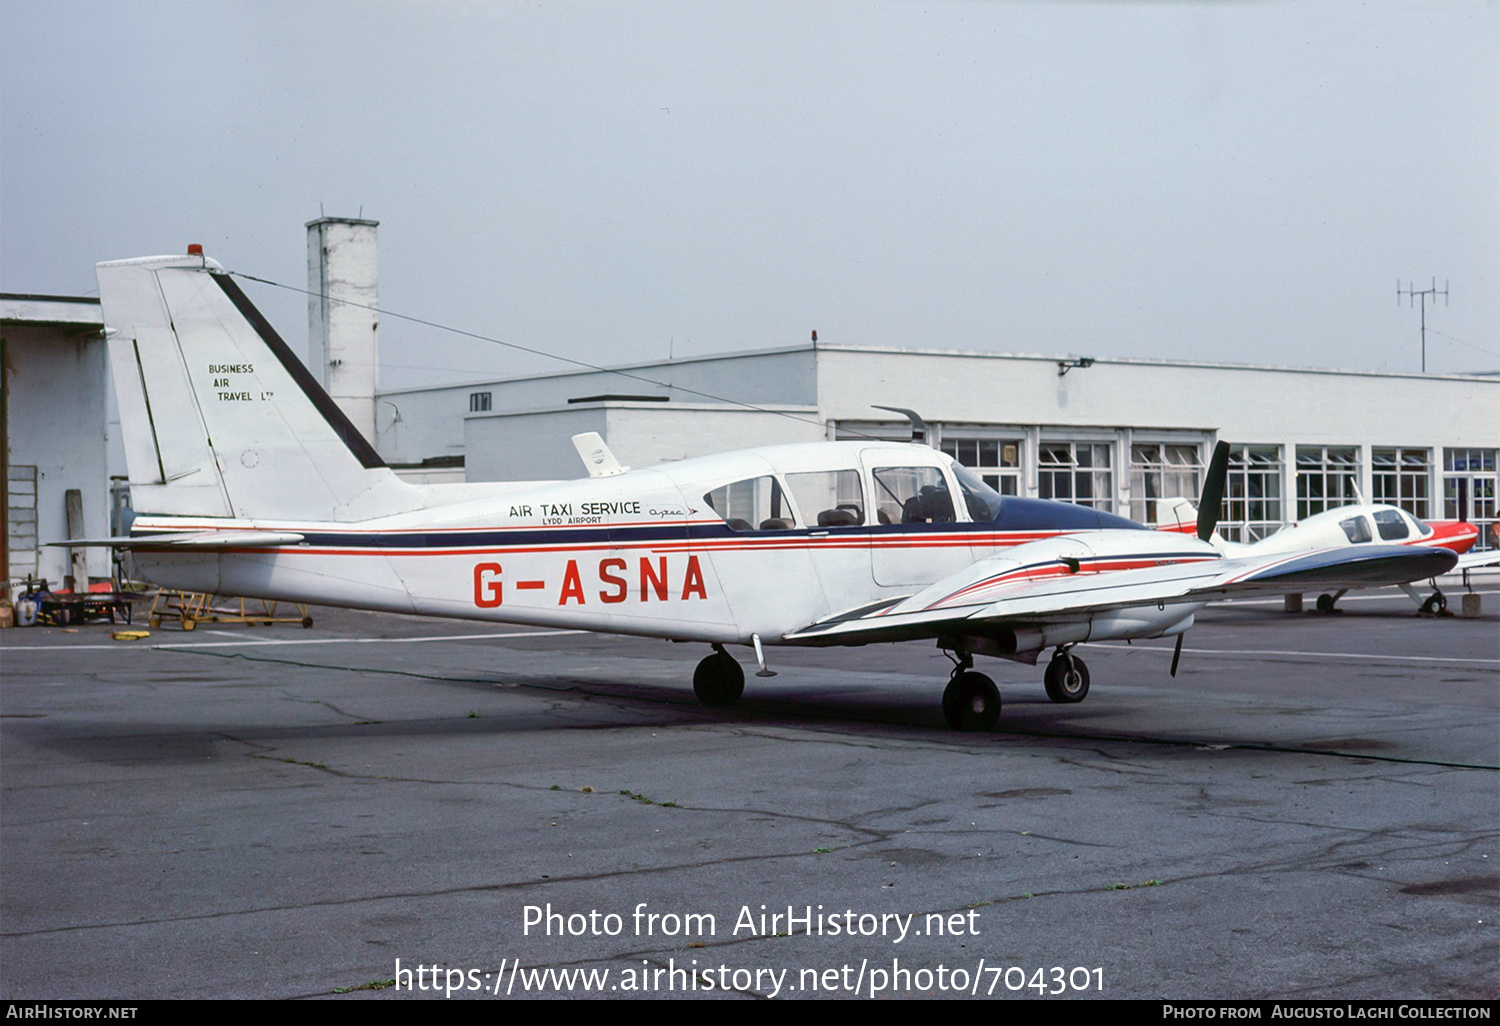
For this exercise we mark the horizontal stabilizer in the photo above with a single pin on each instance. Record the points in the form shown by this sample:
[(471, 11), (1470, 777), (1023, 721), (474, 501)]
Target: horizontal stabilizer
[(189, 540)]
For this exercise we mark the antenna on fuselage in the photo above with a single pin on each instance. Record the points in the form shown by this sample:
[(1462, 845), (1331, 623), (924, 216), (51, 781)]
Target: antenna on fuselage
[(596, 455), (918, 425)]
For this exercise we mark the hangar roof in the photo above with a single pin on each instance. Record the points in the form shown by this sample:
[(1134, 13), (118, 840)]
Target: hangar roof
[(77, 311)]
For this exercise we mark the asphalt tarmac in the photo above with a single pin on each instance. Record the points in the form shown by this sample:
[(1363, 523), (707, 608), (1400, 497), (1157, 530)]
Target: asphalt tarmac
[(1309, 810)]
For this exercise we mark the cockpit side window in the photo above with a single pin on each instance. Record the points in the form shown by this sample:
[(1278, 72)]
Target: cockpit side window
[(912, 495), (755, 504), (1390, 525), (1356, 529), (829, 498), (982, 500), (1423, 528)]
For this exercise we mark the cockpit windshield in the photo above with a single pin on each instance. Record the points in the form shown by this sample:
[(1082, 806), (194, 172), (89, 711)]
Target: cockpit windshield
[(983, 501)]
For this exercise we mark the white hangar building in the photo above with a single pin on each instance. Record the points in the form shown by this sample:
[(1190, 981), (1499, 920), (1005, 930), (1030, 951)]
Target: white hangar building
[(1115, 434)]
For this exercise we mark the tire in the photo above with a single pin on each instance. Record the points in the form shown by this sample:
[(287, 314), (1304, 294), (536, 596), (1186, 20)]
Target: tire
[(1325, 604), (971, 702), (1067, 687), (1436, 604), (307, 621), (719, 680)]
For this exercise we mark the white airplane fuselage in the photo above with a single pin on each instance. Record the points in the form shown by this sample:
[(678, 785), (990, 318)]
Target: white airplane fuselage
[(641, 552)]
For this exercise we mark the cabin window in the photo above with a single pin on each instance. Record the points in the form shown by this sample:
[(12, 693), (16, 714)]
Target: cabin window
[(1356, 529), (756, 504), (912, 495), (1391, 525), (829, 498)]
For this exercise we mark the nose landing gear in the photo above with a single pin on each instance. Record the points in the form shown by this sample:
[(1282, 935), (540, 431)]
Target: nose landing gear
[(719, 680), (971, 701), (1067, 678)]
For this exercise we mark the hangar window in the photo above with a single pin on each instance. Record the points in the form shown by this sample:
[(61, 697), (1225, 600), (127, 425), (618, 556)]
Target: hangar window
[(1403, 478), (1327, 478), (757, 504), (479, 402), (829, 498), (1252, 493), (1162, 471), (912, 495), (1077, 472), (1469, 479), (997, 461)]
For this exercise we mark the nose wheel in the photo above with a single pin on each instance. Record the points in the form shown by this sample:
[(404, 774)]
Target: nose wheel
[(719, 681), (1067, 678), (971, 702)]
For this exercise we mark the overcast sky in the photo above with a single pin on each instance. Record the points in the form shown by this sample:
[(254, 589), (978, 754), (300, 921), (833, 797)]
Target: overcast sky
[(1228, 181)]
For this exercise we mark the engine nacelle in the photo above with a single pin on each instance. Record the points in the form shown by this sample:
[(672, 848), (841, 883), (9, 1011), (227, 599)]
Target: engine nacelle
[(1024, 644)]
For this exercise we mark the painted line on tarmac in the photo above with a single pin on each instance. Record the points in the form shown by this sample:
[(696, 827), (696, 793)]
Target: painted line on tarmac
[(1285, 652), (1349, 598), (121, 646)]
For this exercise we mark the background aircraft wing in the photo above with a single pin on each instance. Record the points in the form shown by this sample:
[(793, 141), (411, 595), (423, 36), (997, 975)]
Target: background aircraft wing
[(976, 601), (1470, 560)]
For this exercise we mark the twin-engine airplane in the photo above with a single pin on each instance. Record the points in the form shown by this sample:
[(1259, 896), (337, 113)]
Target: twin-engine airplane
[(248, 480), (1356, 525)]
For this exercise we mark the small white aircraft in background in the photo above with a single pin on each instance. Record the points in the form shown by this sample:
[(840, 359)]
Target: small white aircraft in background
[(1356, 525), (248, 480)]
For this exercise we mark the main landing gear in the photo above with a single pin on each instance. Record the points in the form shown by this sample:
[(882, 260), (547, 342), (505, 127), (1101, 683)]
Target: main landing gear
[(971, 701), (719, 681), (1067, 678)]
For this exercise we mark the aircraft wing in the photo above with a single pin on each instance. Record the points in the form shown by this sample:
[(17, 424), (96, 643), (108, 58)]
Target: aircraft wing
[(1470, 560), (996, 594), (197, 541)]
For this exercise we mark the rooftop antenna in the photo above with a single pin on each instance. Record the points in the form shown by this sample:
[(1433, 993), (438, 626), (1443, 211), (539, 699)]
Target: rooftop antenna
[(1411, 293)]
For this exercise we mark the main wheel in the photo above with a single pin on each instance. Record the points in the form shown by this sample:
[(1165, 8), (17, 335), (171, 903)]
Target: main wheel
[(1436, 604), (719, 681), (1326, 604), (1067, 679), (971, 702)]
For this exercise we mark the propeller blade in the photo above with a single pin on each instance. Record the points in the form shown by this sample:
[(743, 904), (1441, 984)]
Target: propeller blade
[(1213, 492), (1177, 653)]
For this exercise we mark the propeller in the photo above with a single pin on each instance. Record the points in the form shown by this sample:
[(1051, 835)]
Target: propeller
[(1209, 505), (1213, 492)]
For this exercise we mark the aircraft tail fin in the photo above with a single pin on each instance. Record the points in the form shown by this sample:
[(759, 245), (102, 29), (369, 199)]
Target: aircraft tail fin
[(1177, 514), (219, 417)]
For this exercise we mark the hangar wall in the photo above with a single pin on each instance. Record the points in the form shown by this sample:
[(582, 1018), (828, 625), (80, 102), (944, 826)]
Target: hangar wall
[(55, 383), (1115, 434)]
